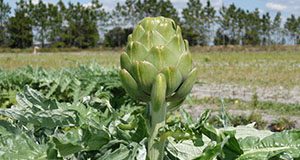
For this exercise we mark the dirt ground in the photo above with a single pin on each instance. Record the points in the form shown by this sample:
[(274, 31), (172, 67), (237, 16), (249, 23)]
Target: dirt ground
[(275, 94)]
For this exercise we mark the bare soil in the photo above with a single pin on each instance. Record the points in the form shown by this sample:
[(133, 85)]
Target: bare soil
[(275, 94)]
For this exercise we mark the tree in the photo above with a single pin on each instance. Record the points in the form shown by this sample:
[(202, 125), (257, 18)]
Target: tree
[(4, 15), (241, 20), (154, 8), (81, 30), (57, 27), (266, 27), (168, 10), (252, 28), (228, 22), (220, 38), (292, 26), (99, 16), (276, 29), (20, 27), (41, 22), (298, 42), (209, 19), (125, 14), (117, 37), (194, 22), (118, 16)]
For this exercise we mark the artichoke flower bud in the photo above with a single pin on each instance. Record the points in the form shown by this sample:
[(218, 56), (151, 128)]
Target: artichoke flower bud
[(156, 68), (156, 49)]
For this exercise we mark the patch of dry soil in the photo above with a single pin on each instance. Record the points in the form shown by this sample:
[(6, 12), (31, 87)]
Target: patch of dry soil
[(276, 93)]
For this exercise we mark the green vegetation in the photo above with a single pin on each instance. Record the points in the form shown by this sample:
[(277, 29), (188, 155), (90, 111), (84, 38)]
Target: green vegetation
[(86, 111), (59, 60), (68, 85), (273, 68), (97, 122)]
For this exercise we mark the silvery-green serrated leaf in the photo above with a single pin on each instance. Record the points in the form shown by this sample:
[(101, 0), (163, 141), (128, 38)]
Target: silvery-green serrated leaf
[(21, 146), (184, 150), (122, 153), (287, 142), (94, 138), (142, 151), (248, 130)]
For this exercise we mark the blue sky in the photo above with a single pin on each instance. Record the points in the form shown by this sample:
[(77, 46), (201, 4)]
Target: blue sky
[(287, 7)]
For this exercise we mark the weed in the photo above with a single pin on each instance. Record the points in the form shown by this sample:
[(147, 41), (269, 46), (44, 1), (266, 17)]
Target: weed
[(281, 124)]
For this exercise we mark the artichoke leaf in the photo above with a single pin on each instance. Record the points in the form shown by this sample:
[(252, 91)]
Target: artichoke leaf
[(173, 105), (185, 87), (173, 78), (138, 32), (129, 39), (129, 83), (186, 45), (149, 23), (164, 29), (131, 87), (136, 51), (152, 38), (158, 92), (176, 44), (161, 57), (125, 61), (157, 39), (185, 64), (144, 73)]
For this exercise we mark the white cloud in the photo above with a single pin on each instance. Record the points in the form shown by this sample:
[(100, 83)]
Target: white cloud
[(87, 5), (276, 6), (35, 1), (217, 3)]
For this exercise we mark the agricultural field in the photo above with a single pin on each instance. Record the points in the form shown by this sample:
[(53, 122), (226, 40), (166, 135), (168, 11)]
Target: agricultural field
[(72, 100), (149, 80)]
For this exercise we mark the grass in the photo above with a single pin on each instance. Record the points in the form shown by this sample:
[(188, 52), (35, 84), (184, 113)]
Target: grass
[(58, 60), (254, 68), (250, 68)]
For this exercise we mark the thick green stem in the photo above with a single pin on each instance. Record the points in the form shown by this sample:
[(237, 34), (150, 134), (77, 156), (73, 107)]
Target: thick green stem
[(156, 146)]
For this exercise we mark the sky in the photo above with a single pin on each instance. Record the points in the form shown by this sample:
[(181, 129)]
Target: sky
[(286, 7)]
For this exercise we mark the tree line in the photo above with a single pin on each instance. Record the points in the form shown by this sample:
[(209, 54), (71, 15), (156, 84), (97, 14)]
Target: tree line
[(83, 25)]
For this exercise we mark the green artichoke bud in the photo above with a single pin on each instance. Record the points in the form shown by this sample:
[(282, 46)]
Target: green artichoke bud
[(156, 47), (157, 68)]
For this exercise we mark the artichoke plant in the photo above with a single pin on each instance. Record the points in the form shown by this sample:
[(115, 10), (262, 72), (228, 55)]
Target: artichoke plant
[(156, 68)]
